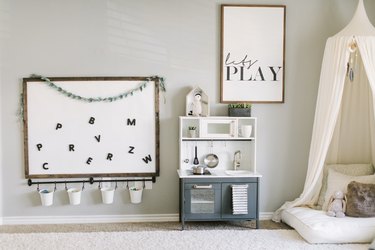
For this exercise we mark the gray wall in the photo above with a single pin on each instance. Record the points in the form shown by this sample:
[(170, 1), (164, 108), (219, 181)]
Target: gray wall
[(178, 40)]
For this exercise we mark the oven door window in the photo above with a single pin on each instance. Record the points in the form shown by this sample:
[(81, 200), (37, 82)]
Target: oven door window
[(202, 201)]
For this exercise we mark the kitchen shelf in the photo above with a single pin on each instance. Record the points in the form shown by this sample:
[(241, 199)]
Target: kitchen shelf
[(220, 135)]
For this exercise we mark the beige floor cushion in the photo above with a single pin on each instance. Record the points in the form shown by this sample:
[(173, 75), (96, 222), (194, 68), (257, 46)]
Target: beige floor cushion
[(316, 227)]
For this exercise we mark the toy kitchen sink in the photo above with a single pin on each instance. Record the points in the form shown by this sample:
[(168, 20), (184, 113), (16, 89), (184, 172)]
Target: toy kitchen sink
[(229, 190)]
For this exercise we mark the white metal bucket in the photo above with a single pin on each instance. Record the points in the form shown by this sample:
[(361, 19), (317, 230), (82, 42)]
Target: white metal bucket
[(74, 196), (107, 195), (136, 196), (46, 196)]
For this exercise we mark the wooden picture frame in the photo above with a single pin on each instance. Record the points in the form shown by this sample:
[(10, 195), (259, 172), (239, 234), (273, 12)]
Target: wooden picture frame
[(66, 137), (252, 55)]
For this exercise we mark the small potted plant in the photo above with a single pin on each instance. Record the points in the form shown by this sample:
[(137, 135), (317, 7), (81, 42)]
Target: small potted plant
[(192, 131), (239, 109)]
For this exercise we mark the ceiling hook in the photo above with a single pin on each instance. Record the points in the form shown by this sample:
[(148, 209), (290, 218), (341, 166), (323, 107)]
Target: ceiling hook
[(83, 185), (66, 187), (37, 187), (55, 187)]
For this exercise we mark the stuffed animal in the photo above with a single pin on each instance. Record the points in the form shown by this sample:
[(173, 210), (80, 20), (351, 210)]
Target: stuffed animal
[(197, 105), (337, 205)]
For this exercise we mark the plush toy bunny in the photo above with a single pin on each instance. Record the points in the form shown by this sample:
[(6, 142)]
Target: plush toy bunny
[(337, 205)]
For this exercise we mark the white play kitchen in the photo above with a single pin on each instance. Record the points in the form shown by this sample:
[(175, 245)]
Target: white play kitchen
[(217, 169)]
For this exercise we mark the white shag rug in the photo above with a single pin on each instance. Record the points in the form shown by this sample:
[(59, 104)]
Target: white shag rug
[(210, 239)]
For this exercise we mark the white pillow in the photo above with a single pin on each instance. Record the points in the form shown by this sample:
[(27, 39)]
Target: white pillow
[(337, 181), (347, 169)]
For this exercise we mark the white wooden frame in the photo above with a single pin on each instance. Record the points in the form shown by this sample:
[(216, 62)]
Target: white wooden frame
[(61, 141), (252, 53)]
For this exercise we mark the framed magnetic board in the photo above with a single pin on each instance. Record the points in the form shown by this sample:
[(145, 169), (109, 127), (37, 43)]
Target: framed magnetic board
[(91, 127)]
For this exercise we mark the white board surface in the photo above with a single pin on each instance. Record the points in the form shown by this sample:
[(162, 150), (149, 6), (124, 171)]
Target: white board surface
[(65, 137)]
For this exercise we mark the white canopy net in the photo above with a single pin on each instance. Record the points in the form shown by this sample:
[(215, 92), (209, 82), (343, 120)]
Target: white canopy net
[(343, 130)]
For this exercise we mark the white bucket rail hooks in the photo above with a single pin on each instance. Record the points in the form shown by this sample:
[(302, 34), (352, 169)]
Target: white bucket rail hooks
[(91, 180)]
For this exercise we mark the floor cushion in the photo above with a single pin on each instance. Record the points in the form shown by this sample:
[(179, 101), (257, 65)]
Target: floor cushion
[(372, 246), (317, 227)]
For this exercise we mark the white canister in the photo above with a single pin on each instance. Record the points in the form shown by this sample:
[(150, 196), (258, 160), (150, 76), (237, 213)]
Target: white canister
[(107, 195), (74, 196), (46, 196), (135, 195)]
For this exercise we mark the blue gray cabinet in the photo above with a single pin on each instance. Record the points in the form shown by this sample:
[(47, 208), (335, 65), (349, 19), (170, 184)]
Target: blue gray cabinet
[(210, 199)]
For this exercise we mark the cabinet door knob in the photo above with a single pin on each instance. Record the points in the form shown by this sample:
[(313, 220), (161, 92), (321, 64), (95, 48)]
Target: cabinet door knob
[(202, 187)]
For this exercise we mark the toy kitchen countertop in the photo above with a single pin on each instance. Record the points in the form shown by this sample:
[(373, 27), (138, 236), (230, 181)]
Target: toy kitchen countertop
[(218, 173)]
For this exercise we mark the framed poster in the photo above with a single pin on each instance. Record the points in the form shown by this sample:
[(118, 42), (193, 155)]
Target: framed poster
[(252, 53), (91, 127)]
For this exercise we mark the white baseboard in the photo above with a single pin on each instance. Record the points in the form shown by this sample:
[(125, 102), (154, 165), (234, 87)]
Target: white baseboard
[(26, 220), (32, 220), (265, 215)]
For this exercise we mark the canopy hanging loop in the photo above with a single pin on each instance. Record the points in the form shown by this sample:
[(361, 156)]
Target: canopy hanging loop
[(353, 45), (352, 62), (66, 187)]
